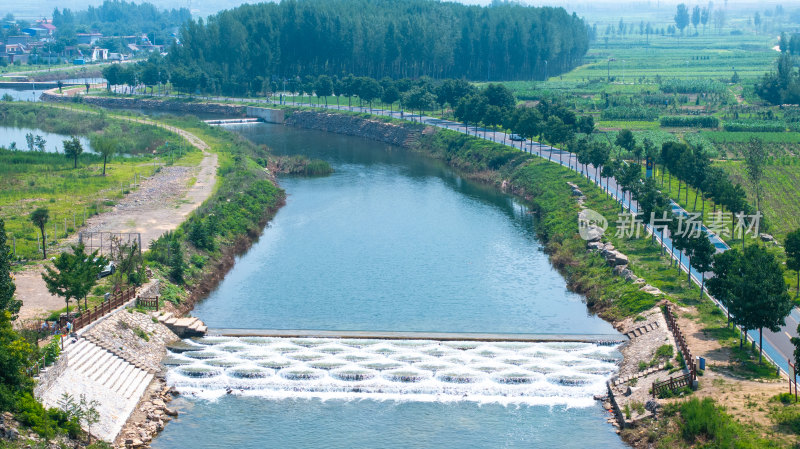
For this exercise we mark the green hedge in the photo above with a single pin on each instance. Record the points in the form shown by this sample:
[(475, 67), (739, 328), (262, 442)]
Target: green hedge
[(685, 121)]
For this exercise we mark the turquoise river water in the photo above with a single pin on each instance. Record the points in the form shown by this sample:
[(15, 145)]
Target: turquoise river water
[(390, 241)]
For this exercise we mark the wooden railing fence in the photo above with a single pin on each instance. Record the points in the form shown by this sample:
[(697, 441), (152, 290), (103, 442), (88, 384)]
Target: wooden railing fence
[(793, 379), (685, 379), (105, 307), (671, 384), (150, 303)]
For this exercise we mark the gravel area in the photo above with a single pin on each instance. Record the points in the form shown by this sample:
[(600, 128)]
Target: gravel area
[(642, 348), (125, 333)]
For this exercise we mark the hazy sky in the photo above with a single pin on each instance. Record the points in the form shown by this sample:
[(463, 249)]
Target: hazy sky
[(38, 8)]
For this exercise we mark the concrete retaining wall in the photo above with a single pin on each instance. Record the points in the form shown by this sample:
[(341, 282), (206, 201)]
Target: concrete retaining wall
[(268, 115), (405, 136)]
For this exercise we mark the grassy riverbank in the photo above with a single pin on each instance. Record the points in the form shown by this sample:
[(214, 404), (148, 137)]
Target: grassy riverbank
[(33, 179), (197, 255), (543, 185)]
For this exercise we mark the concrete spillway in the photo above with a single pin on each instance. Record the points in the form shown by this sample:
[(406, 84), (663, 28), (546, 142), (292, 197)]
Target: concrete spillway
[(402, 369), (610, 339)]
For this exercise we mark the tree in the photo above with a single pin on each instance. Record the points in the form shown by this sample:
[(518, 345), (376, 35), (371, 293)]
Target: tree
[(176, 262), (702, 257), (585, 124), (73, 274), (390, 95), (420, 99), (369, 90), (755, 158), (696, 17), (39, 143), (39, 218), (704, 15), (111, 74), (324, 87), (625, 140), (682, 17), (719, 285), (752, 281), (499, 95), (629, 179), (599, 152), (14, 358), (792, 248), (7, 288), (104, 144), (73, 149)]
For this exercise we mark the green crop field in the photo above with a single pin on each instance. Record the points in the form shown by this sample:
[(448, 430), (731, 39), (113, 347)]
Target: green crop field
[(781, 189)]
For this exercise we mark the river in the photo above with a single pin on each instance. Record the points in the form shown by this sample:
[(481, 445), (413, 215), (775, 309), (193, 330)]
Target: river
[(391, 241)]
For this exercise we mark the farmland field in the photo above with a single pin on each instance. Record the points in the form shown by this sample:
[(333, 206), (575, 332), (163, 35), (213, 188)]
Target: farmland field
[(781, 189)]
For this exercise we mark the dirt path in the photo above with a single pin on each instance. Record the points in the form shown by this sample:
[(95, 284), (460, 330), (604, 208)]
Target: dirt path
[(160, 204), (744, 398)]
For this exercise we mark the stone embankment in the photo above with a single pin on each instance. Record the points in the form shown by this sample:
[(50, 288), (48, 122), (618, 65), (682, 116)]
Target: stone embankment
[(594, 235), (149, 417), (381, 131)]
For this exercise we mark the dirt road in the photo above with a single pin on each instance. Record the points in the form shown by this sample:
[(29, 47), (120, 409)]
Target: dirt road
[(160, 204)]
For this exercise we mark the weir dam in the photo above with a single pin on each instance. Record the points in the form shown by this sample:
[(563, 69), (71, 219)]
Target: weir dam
[(532, 369)]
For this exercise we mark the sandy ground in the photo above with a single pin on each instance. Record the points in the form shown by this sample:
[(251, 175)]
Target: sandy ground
[(160, 204), (745, 399)]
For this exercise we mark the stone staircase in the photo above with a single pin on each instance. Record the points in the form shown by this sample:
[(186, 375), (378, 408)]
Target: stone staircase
[(645, 373), (108, 369), (639, 331), (118, 353), (183, 327), (103, 376)]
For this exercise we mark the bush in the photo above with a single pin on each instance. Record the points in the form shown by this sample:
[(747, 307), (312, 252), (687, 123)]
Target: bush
[(683, 121), (198, 260), (754, 126), (629, 113), (45, 422), (692, 86), (702, 420), (664, 351)]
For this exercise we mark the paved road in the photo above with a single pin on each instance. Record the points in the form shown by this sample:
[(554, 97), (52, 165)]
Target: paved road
[(777, 345)]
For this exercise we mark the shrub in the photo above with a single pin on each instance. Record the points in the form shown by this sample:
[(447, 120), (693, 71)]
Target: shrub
[(664, 351), (198, 260), (629, 113), (691, 86), (754, 126), (689, 121), (704, 419)]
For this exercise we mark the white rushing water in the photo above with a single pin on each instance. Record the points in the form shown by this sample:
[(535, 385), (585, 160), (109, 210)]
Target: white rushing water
[(552, 373)]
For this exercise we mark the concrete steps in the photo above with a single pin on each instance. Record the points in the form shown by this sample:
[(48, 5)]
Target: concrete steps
[(119, 354), (103, 367), (645, 373), (639, 331), (183, 327)]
